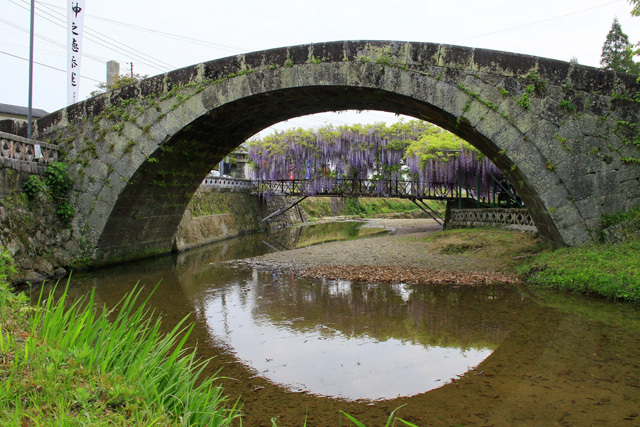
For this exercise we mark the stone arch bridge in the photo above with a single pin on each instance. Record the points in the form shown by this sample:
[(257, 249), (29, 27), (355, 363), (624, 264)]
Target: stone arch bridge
[(565, 135)]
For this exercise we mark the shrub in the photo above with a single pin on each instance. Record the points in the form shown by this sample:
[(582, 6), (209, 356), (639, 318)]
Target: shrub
[(33, 187), (58, 179)]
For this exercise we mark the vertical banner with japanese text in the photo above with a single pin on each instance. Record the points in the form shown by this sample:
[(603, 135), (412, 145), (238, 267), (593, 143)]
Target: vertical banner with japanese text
[(75, 25)]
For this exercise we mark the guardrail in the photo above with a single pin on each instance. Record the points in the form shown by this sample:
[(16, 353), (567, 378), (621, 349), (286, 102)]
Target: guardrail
[(225, 182), (18, 149), (366, 188)]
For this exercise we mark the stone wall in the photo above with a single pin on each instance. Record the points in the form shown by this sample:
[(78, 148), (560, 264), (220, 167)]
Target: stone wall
[(13, 176), (218, 213), (42, 246)]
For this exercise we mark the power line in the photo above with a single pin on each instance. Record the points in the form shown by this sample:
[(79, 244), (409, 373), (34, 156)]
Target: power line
[(175, 36), (48, 66), (53, 42), (91, 30), (98, 40), (537, 22), (161, 33), (105, 43)]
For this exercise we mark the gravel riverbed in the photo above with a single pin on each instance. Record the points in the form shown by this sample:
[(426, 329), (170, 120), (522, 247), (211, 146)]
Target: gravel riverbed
[(404, 255)]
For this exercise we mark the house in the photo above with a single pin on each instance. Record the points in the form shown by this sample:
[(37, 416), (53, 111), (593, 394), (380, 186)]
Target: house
[(8, 111)]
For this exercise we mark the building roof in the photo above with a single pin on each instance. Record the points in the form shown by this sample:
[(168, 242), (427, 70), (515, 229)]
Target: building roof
[(22, 111)]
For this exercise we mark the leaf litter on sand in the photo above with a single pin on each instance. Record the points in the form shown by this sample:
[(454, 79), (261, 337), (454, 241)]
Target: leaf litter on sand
[(408, 275)]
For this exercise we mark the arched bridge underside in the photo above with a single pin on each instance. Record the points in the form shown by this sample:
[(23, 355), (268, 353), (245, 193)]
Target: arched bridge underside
[(562, 133)]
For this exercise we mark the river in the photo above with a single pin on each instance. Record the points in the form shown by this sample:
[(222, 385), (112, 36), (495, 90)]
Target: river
[(292, 348)]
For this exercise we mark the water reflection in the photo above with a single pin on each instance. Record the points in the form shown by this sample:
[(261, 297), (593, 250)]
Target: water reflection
[(331, 338), (348, 340), (557, 359), (313, 234)]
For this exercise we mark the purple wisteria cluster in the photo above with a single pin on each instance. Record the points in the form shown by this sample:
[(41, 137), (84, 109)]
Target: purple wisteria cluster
[(464, 167), (329, 151), (374, 152)]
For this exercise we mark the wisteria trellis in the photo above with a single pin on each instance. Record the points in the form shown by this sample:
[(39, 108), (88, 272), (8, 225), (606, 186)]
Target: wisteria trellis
[(416, 151)]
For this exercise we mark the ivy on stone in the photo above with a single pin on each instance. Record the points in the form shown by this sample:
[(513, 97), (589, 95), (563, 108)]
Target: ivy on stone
[(57, 183)]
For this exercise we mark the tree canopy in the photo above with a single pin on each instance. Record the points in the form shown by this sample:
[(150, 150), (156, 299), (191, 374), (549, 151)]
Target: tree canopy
[(118, 82), (617, 52)]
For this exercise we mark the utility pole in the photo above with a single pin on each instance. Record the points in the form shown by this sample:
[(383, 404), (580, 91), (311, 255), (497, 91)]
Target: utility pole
[(30, 104)]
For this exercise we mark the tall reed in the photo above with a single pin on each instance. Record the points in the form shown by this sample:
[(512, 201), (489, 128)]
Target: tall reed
[(77, 365)]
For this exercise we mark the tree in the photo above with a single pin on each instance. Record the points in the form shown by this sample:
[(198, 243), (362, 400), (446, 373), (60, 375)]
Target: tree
[(636, 7), (118, 82), (617, 52)]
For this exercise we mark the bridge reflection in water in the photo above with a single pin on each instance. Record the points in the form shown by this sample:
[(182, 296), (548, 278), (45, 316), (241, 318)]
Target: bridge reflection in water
[(347, 340), (336, 338), (551, 353)]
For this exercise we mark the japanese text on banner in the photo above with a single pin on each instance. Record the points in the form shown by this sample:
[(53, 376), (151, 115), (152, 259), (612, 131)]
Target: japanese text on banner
[(75, 25)]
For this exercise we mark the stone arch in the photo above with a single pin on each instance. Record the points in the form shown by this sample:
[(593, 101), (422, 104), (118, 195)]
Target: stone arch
[(553, 128)]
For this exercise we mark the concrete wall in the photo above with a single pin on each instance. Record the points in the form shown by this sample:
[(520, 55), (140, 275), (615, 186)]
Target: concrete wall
[(218, 214)]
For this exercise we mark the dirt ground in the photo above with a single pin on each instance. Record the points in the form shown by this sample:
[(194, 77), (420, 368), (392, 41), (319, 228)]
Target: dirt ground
[(414, 251)]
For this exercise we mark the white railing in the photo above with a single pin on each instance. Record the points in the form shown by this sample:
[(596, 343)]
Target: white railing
[(14, 147), (224, 182)]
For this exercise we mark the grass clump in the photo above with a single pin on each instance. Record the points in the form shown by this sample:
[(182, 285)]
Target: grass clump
[(605, 269), (609, 269), (505, 246), (391, 421), (65, 363)]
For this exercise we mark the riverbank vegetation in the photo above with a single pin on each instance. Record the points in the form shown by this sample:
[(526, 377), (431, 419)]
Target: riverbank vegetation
[(508, 248), (605, 269), (364, 207), (70, 364), (609, 269)]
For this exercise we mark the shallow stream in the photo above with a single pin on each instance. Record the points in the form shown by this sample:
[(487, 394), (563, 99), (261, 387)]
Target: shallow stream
[(295, 348)]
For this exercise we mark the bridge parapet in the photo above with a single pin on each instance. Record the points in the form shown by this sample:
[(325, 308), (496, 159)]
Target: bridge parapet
[(25, 154)]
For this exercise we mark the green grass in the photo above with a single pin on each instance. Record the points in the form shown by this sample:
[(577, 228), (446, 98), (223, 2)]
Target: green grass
[(319, 207), (65, 363), (632, 214), (504, 246), (605, 269), (391, 421)]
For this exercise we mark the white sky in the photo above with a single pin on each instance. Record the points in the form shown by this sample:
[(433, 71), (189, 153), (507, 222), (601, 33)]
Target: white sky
[(175, 34)]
